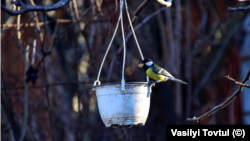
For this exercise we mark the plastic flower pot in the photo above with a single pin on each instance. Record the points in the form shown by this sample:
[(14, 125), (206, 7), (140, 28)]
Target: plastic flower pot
[(123, 108)]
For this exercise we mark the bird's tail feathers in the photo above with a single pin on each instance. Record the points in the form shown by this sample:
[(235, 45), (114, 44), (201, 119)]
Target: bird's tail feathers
[(177, 80)]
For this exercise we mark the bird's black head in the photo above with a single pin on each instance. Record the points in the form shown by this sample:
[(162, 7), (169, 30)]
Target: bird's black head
[(146, 63)]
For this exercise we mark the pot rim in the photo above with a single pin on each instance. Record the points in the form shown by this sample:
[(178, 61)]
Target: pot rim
[(119, 83)]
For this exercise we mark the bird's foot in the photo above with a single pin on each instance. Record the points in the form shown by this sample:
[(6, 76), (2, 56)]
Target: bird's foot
[(152, 83)]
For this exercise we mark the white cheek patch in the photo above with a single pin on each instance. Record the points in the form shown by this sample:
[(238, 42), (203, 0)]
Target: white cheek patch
[(149, 63)]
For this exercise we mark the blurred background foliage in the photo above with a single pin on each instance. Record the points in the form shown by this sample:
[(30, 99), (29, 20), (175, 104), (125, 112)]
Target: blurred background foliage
[(198, 41)]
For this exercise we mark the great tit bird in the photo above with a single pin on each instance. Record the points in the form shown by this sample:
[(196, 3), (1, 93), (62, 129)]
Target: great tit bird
[(157, 73)]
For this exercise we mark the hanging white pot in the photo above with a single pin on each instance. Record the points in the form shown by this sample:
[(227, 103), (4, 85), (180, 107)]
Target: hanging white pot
[(123, 104), (123, 108)]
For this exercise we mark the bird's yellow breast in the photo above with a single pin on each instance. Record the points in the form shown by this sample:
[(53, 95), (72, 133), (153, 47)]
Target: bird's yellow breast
[(154, 76)]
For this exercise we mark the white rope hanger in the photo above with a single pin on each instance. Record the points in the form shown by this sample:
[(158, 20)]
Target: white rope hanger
[(120, 20)]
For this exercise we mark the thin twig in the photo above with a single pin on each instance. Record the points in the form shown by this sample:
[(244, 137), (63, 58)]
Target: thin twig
[(236, 82), (3, 120), (51, 47), (44, 32), (26, 95), (34, 111), (18, 30), (225, 103), (18, 27), (71, 11), (98, 5), (91, 61), (37, 25), (76, 9), (48, 100), (6, 125)]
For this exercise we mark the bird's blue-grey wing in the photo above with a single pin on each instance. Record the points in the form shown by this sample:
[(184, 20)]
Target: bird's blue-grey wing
[(158, 70)]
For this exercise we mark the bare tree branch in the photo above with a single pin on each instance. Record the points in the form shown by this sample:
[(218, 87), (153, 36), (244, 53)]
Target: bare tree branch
[(238, 8), (236, 82), (136, 13), (225, 103), (26, 8)]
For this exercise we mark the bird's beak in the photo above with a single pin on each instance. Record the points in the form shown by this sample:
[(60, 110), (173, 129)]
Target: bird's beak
[(140, 65)]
